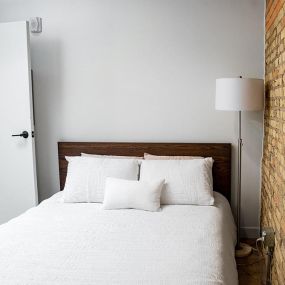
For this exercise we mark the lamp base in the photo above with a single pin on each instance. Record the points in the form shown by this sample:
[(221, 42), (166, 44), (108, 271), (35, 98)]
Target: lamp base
[(243, 250)]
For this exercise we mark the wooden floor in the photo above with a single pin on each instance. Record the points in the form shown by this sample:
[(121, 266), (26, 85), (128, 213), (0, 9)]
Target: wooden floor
[(251, 269)]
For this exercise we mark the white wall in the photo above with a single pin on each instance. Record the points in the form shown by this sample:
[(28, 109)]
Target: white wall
[(143, 70)]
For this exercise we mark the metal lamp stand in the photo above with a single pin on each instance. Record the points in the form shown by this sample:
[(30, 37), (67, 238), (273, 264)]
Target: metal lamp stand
[(242, 249)]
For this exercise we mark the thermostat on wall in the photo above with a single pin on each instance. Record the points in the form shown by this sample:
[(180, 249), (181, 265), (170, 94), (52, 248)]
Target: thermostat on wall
[(36, 25)]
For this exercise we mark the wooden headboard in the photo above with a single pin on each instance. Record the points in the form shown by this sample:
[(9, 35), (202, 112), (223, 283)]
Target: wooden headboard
[(221, 153)]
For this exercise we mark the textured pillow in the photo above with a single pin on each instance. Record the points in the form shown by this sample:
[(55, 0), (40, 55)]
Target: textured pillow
[(168, 157), (85, 181), (186, 181), (126, 194)]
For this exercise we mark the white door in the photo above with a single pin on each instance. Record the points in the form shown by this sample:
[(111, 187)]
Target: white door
[(18, 187)]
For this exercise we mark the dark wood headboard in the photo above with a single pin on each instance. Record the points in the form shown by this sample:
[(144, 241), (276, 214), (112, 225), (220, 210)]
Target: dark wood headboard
[(221, 153)]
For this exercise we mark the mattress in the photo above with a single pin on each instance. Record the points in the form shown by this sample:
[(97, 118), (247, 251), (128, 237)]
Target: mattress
[(60, 243)]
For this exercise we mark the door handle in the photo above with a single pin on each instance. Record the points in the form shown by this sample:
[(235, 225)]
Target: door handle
[(24, 134)]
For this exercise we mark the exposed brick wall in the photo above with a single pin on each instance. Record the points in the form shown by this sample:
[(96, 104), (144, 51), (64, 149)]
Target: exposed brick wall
[(273, 166)]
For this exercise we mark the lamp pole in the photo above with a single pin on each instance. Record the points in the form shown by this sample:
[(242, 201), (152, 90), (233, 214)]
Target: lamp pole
[(239, 179)]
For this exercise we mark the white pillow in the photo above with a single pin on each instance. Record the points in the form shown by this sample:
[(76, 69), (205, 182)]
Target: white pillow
[(85, 181), (115, 156), (126, 194), (186, 181)]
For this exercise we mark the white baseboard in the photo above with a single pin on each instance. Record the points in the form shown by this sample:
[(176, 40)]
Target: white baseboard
[(250, 232)]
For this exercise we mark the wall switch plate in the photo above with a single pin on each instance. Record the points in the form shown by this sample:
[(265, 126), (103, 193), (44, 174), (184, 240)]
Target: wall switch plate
[(36, 25), (268, 236)]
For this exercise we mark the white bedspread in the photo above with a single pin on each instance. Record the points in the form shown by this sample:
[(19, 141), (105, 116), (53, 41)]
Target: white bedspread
[(57, 243)]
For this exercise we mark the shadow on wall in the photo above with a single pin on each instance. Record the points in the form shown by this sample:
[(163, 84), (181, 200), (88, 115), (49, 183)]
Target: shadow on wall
[(267, 110), (48, 85)]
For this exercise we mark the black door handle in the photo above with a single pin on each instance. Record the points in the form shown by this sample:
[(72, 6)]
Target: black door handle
[(24, 134)]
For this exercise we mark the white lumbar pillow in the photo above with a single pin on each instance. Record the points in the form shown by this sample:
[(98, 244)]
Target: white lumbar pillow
[(86, 176), (126, 194), (186, 181)]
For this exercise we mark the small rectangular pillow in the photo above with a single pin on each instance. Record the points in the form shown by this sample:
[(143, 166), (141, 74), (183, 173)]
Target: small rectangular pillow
[(149, 156), (126, 194), (85, 181), (186, 181)]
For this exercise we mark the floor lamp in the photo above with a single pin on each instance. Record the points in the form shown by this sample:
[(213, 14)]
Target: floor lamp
[(239, 94)]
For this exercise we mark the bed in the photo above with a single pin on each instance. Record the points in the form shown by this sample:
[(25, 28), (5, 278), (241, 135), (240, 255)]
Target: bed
[(79, 243)]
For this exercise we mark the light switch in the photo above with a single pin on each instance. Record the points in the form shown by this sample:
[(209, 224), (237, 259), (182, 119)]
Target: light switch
[(36, 25)]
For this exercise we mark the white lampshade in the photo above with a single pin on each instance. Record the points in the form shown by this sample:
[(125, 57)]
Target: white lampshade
[(239, 94)]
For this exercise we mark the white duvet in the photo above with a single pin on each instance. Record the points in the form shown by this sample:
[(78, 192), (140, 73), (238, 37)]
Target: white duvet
[(57, 243)]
